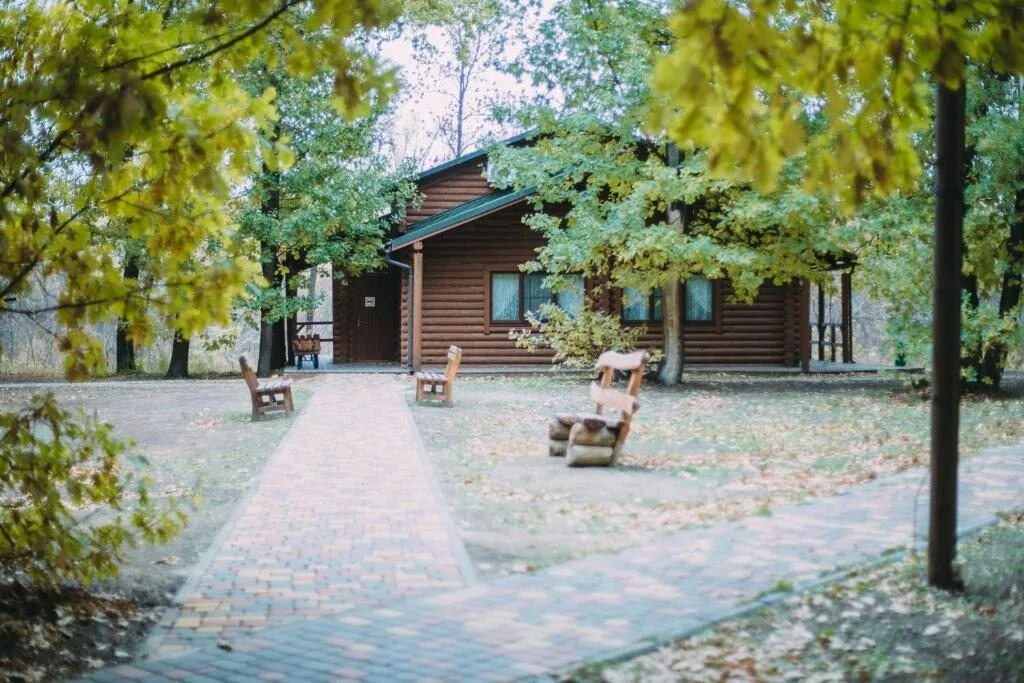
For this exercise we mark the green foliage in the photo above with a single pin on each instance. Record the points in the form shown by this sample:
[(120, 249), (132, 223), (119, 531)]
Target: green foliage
[(741, 79), (334, 200), (127, 120), (56, 472), (896, 252), (590, 158), (577, 341)]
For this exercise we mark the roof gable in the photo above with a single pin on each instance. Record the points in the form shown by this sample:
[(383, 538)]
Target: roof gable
[(460, 215)]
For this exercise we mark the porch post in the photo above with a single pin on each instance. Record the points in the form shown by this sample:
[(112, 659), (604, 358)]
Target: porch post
[(821, 322), (416, 333), (805, 326), (847, 315)]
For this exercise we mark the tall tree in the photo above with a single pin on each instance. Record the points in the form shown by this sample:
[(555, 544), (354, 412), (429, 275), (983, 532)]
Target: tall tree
[(739, 83), (127, 112), (893, 261), (330, 199), (591, 64), (458, 41)]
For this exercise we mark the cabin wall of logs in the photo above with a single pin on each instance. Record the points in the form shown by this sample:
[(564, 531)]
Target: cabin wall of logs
[(449, 189), (456, 270)]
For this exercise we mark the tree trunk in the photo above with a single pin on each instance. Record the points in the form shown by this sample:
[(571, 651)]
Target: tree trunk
[(265, 362), (290, 290), (178, 367), (271, 354), (278, 353), (124, 347), (945, 403), (671, 372)]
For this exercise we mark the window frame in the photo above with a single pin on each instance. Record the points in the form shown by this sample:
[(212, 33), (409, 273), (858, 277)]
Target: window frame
[(491, 271), (649, 320), (716, 308)]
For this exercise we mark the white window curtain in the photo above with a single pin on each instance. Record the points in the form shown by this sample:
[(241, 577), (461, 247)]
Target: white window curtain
[(634, 305), (505, 296), (699, 300), (571, 300)]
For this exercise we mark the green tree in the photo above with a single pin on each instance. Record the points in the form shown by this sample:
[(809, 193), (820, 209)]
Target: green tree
[(893, 261), (741, 78), (458, 40), (332, 201), (124, 121), (128, 113), (591, 64)]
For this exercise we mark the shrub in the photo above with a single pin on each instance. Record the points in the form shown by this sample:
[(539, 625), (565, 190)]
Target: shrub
[(577, 342), (63, 495)]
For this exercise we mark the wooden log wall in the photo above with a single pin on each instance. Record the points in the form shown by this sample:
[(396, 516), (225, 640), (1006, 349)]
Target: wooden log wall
[(456, 267), (765, 332), (449, 189), (455, 291)]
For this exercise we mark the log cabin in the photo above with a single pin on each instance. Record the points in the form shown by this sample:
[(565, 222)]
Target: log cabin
[(454, 279)]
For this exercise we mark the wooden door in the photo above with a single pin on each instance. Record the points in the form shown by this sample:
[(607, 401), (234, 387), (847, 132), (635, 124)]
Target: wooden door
[(375, 299)]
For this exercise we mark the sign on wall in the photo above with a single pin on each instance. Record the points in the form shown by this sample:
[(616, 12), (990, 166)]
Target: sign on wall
[(370, 302)]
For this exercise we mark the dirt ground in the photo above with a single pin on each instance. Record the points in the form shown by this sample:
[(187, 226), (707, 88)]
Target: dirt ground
[(204, 452), (883, 624), (718, 447)]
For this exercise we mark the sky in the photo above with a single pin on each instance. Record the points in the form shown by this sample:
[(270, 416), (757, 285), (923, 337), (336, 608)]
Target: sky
[(425, 99)]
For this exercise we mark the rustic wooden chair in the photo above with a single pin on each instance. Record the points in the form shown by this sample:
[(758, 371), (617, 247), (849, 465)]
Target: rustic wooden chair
[(596, 439), (306, 348), (445, 381), (270, 396)]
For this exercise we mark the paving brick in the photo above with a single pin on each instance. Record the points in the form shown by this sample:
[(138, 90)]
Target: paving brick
[(522, 626)]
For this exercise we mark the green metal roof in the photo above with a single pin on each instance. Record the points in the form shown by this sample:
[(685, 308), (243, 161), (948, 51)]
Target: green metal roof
[(460, 215), (478, 154)]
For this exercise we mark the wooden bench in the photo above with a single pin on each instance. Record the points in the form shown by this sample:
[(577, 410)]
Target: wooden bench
[(306, 348), (597, 438), (269, 396), (438, 380)]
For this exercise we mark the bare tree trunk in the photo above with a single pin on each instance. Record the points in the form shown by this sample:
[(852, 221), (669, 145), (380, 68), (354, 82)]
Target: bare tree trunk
[(124, 347), (671, 372), (950, 113), (178, 367)]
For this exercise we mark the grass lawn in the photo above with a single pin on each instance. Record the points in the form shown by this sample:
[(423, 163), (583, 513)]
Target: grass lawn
[(204, 452), (719, 447), (880, 625)]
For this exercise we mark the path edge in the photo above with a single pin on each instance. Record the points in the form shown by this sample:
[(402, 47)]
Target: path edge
[(656, 642), (466, 567)]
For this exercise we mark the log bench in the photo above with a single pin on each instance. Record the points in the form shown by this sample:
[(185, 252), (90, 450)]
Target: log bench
[(445, 381), (272, 395), (596, 438)]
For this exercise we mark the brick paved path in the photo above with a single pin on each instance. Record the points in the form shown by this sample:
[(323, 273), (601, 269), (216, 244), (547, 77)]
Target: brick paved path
[(345, 514), (598, 607)]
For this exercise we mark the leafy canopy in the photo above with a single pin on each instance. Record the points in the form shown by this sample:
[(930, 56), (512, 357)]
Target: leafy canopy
[(334, 201), (604, 186), (126, 119), (742, 77)]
